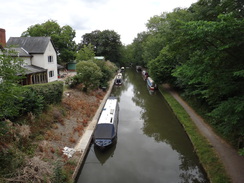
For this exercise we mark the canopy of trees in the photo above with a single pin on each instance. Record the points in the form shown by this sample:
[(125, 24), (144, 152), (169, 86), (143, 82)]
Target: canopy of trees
[(62, 37), (200, 51), (106, 43), (85, 53)]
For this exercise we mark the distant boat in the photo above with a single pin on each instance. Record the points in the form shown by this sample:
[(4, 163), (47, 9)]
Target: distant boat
[(144, 74), (138, 68), (151, 84), (105, 133), (122, 69), (119, 79)]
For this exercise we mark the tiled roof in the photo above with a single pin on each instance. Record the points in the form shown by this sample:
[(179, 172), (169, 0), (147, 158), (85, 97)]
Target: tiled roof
[(21, 52), (30, 44)]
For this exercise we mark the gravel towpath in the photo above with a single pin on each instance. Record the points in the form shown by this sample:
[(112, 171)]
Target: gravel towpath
[(232, 161)]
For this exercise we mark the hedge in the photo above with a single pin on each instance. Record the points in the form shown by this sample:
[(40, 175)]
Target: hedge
[(38, 96)]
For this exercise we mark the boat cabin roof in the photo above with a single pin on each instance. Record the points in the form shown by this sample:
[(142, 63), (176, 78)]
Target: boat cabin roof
[(119, 76), (150, 79), (108, 112)]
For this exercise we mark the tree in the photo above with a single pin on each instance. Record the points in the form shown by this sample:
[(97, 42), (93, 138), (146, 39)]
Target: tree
[(138, 50), (214, 71), (89, 74), (86, 53), (10, 92), (106, 43), (62, 37), (209, 10)]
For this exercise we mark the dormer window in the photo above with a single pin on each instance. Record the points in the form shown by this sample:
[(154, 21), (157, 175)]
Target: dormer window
[(50, 59)]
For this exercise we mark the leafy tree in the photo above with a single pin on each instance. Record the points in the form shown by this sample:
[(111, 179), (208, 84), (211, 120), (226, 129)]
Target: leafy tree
[(106, 43), (162, 67), (62, 37), (85, 53), (89, 74), (10, 92), (209, 10), (108, 69), (214, 71), (126, 55), (138, 50)]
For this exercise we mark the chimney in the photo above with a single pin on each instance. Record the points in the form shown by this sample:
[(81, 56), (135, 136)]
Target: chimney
[(2, 37)]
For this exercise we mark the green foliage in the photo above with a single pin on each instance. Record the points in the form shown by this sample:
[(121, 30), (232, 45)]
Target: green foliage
[(10, 159), (59, 174), (62, 37), (229, 116), (10, 91), (241, 152), (32, 102), (106, 43), (49, 93), (161, 68), (137, 49), (89, 74), (85, 53), (107, 69)]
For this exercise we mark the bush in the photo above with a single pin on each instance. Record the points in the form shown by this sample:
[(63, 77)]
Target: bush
[(32, 102), (51, 92), (107, 71), (89, 74)]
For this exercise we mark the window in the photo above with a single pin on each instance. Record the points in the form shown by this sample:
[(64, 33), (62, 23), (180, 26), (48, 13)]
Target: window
[(51, 74), (50, 59)]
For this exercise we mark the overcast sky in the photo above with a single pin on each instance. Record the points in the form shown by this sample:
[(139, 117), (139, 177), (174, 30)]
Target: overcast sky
[(126, 17)]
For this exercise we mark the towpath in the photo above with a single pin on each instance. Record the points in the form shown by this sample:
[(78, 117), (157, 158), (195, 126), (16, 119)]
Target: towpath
[(232, 161)]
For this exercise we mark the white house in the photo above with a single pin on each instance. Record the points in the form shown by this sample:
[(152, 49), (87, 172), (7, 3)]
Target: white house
[(40, 58)]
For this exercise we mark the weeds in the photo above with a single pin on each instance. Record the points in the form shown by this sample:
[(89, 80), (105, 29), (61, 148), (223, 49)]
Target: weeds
[(72, 140)]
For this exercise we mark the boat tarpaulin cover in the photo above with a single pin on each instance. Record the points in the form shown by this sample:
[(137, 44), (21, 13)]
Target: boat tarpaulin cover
[(104, 131)]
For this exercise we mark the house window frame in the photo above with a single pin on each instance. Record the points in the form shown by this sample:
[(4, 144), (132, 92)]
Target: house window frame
[(51, 73), (50, 59)]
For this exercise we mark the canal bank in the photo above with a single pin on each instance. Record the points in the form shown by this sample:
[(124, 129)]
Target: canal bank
[(84, 142), (219, 159)]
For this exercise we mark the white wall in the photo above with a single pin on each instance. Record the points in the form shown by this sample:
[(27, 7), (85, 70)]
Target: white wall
[(41, 60)]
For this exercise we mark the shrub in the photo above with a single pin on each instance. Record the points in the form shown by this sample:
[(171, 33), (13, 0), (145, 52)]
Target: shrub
[(107, 71), (51, 92), (89, 74), (32, 102)]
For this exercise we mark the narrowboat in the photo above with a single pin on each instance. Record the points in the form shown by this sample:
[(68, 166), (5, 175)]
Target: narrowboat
[(122, 69), (119, 79), (144, 75), (105, 133), (138, 68), (151, 84)]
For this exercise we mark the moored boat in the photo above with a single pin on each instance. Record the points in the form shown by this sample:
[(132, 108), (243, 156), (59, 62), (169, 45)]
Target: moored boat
[(144, 74), (138, 68), (105, 133), (151, 84), (122, 69), (119, 79)]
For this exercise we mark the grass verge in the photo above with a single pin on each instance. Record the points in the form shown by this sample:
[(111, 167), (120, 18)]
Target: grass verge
[(207, 156)]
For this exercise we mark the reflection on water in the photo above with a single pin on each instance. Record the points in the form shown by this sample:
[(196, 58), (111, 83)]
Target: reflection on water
[(104, 155), (152, 145)]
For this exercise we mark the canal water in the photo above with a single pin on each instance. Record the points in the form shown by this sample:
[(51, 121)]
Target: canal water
[(152, 146)]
